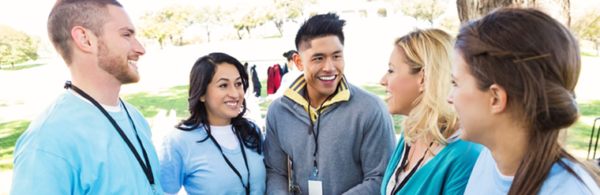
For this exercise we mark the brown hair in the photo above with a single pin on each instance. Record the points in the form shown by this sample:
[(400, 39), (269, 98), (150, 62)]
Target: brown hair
[(66, 14), (537, 61)]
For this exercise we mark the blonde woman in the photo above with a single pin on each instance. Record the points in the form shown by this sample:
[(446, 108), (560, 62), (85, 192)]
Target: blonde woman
[(430, 157)]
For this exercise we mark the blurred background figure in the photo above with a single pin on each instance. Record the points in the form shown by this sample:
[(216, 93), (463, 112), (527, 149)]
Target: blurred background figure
[(289, 77)]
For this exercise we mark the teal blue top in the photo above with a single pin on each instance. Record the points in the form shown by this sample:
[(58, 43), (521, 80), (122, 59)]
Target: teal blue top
[(72, 148), (447, 173)]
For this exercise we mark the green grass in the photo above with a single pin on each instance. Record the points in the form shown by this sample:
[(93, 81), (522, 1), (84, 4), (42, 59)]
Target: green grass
[(379, 90), (583, 53), (9, 67), (150, 103), (578, 135), (9, 134), (263, 88)]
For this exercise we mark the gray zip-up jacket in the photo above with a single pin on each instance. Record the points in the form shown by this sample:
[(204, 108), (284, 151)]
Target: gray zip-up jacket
[(355, 142)]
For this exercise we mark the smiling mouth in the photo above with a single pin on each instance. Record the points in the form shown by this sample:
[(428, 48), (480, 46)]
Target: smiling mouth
[(329, 78), (132, 62), (232, 104)]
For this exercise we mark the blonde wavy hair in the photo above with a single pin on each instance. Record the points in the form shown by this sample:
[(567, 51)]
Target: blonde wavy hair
[(430, 50)]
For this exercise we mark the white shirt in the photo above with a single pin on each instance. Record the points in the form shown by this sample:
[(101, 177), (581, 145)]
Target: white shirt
[(225, 136)]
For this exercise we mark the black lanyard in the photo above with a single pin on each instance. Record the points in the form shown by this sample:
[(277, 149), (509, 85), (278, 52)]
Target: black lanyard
[(147, 169), (247, 187), (315, 134), (403, 164)]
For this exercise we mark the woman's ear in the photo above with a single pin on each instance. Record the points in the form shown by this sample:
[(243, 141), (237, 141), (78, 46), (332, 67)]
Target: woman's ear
[(202, 99), (422, 80), (498, 99)]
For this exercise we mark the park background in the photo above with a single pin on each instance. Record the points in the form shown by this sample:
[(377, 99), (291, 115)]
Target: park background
[(177, 32)]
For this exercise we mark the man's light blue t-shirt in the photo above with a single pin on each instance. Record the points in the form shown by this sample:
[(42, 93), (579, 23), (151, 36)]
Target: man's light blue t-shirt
[(485, 179), (201, 169), (72, 148)]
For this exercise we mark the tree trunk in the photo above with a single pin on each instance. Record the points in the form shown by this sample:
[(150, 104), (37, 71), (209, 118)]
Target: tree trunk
[(475, 9), (13, 65), (240, 36), (208, 34), (597, 43), (279, 25), (249, 35)]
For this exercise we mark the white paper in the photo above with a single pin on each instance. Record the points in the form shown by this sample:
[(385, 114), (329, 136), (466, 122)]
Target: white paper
[(315, 187)]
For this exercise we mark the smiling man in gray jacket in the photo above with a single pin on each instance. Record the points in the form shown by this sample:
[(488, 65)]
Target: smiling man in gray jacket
[(338, 137)]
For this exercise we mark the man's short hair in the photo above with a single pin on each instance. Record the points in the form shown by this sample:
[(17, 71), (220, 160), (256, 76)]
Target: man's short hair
[(319, 26), (66, 14)]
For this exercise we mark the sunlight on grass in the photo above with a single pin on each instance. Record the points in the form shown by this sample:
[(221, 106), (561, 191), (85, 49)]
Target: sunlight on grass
[(9, 67), (9, 134), (150, 103)]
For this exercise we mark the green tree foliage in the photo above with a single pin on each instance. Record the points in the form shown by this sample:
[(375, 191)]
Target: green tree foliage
[(283, 10), (17, 46), (167, 23), (587, 27), (247, 19), (427, 10)]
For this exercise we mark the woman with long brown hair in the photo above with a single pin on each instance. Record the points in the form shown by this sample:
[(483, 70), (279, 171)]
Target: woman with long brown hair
[(515, 75), (216, 150)]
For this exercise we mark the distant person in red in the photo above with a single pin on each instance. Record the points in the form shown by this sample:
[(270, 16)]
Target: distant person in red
[(273, 79), (289, 77)]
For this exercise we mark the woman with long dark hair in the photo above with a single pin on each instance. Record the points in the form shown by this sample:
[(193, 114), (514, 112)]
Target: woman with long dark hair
[(215, 150), (515, 74)]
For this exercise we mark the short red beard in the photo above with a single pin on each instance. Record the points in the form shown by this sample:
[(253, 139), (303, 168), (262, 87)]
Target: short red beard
[(115, 65)]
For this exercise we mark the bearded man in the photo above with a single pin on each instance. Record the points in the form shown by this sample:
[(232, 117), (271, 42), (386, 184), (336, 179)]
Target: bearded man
[(88, 141)]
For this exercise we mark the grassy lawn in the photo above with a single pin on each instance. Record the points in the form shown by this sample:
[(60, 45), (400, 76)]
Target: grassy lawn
[(8, 67), (9, 134), (578, 135), (588, 54), (150, 103)]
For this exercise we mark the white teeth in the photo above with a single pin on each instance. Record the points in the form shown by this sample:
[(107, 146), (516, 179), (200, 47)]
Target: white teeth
[(132, 62), (231, 103), (327, 78)]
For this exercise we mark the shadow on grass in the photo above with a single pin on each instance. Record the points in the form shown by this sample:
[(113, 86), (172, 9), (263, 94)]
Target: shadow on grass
[(9, 67), (150, 103), (9, 134)]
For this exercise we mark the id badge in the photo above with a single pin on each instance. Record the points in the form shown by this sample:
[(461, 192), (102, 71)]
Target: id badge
[(315, 184)]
